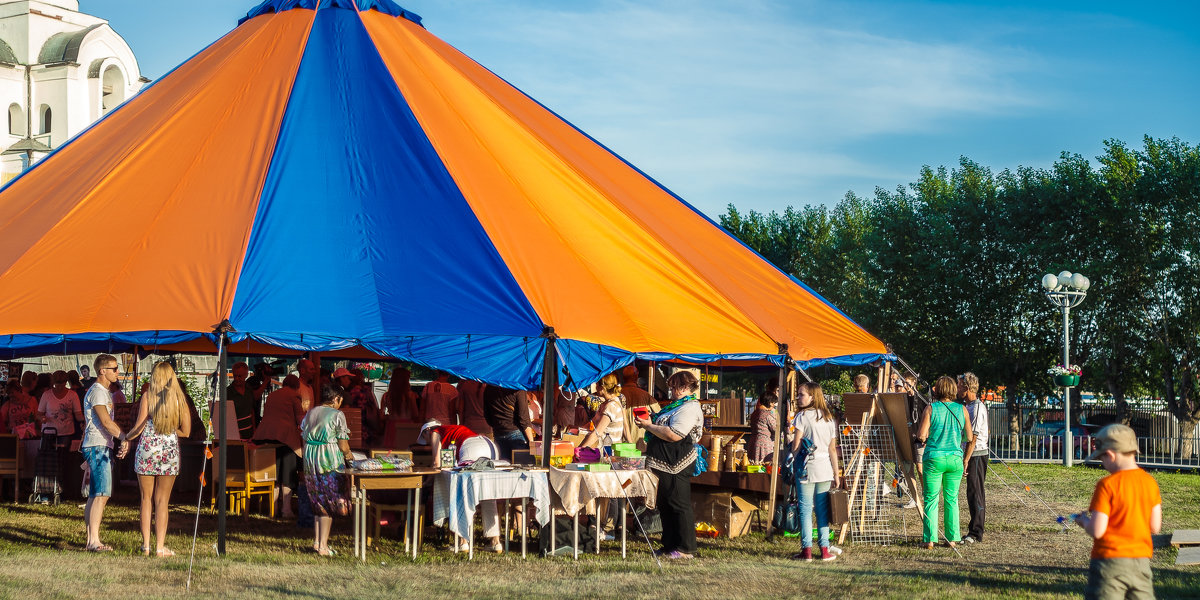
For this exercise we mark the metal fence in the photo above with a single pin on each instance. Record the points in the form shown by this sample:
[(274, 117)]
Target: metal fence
[(1162, 440)]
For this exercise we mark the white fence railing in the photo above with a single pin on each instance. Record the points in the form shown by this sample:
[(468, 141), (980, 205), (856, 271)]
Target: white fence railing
[(1153, 451)]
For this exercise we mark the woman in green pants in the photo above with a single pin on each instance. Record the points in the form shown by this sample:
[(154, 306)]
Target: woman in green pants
[(946, 430)]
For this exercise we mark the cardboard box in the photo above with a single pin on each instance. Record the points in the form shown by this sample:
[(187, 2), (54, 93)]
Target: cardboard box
[(262, 463), (557, 448), (730, 513), (598, 467)]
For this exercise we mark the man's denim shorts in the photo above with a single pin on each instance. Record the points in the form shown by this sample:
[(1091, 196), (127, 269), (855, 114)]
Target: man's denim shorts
[(99, 460)]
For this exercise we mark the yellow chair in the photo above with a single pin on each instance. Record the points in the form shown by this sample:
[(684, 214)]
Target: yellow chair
[(375, 509), (243, 481), (10, 462)]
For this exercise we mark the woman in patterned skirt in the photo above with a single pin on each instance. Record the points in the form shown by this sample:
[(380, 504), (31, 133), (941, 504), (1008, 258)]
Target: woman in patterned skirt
[(163, 417), (326, 451)]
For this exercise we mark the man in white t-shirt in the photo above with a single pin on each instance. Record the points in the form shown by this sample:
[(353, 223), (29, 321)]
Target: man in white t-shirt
[(968, 389), (98, 433)]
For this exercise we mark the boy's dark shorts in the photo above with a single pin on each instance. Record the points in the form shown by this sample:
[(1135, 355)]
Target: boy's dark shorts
[(1119, 578)]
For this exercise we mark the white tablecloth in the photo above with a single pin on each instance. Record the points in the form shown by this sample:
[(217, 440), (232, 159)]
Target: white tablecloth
[(457, 494), (578, 489)]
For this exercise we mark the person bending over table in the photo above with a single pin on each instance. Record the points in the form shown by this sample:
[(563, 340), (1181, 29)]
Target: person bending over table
[(468, 446), (671, 455), (326, 451)]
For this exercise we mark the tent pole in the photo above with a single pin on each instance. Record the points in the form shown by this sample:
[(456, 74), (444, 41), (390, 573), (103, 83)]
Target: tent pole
[(222, 393), (549, 393), (779, 429), (650, 382)]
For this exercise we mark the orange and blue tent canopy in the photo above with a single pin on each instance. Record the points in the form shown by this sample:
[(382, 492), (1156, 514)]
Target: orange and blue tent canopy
[(329, 174)]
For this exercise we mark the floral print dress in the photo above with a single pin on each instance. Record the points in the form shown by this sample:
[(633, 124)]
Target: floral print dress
[(157, 454)]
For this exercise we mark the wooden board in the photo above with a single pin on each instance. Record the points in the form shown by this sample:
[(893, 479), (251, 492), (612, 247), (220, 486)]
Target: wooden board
[(1185, 537), (895, 410), (1188, 556), (854, 405)]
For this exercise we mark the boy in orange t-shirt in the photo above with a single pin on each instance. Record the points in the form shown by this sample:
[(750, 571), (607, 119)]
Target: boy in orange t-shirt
[(1126, 509)]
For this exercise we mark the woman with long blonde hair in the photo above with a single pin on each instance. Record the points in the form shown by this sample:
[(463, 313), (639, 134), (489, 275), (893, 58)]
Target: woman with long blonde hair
[(163, 418)]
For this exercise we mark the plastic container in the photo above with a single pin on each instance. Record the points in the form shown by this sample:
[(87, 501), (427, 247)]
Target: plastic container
[(556, 460), (629, 463)]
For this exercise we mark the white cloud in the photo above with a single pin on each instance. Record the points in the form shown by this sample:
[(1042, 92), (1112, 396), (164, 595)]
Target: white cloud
[(709, 96)]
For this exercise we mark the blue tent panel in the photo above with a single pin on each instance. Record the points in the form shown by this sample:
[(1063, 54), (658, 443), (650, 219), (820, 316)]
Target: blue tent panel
[(367, 192), (17, 346)]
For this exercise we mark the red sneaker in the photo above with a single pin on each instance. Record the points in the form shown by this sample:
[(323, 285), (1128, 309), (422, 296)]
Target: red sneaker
[(804, 555), (826, 555)]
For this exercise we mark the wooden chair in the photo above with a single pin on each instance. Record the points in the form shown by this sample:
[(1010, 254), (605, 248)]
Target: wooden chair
[(376, 509), (10, 462), (244, 482)]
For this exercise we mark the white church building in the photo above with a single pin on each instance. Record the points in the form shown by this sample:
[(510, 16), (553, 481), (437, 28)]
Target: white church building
[(60, 71)]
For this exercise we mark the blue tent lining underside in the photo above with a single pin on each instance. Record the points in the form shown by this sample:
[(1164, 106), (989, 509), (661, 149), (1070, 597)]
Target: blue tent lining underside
[(508, 361)]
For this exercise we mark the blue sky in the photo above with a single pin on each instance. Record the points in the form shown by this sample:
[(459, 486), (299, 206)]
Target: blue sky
[(766, 104)]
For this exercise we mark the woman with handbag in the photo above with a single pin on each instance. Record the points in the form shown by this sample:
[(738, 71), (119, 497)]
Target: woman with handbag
[(816, 470), (671, 455), (944, 427)]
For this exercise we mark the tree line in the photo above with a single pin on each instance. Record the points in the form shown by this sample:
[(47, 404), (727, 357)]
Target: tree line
[(946, 270)]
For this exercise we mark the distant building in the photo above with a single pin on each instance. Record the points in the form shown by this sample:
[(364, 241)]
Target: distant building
[(60, 71)]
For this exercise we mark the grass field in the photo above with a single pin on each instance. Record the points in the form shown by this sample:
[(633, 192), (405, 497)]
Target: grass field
[(1024, 556)]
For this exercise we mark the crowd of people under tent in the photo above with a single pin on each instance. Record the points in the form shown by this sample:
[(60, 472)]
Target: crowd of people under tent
[(304, 416)]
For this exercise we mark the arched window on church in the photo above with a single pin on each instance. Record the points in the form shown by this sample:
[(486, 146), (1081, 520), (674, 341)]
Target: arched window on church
[(47, 119), (114, 89), (16, 120)]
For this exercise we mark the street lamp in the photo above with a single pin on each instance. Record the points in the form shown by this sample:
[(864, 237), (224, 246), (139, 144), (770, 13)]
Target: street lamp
[(1066, 291)]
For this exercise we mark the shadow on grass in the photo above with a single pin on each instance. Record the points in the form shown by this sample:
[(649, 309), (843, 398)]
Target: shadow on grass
[(279, 590), (29, 537)]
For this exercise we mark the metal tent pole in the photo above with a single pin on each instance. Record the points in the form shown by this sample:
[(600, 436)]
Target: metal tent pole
[(223, 437), (779, 429), (549, 392)]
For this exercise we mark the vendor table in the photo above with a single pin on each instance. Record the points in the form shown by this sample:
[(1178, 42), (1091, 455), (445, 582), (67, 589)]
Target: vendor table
[(577, 491), (456, 494), (362, 481)]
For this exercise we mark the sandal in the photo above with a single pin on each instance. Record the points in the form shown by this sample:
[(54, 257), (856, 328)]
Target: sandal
[(99, 548), (145, 550), (165, 552), (328, 552)]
